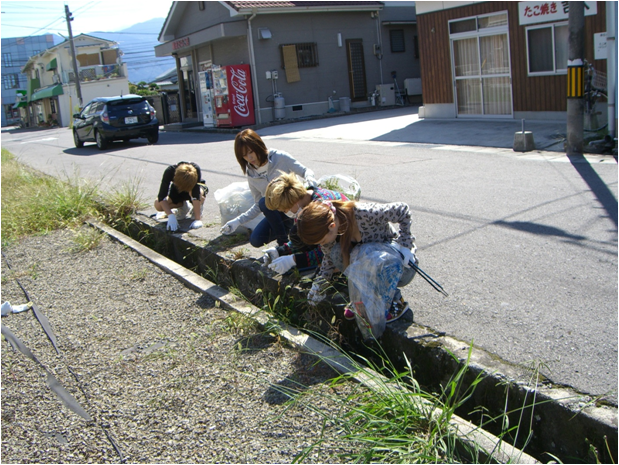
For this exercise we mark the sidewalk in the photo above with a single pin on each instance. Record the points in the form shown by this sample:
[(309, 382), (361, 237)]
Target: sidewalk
[(379, 125)]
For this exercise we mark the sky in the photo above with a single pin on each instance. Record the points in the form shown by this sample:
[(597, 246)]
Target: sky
[(32, 18)]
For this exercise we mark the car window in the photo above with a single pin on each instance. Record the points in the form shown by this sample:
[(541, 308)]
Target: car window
[(93, 108), (138, 106), (86, 109)]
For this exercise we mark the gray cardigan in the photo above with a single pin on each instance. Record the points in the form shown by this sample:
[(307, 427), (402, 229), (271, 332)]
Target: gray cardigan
[(279, 162)]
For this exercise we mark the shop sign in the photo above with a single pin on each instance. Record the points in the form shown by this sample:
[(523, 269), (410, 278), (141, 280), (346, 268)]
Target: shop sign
[(542, 12), (180, 43)]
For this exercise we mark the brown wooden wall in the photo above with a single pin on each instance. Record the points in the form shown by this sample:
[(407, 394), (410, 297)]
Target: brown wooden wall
[(539, 93)]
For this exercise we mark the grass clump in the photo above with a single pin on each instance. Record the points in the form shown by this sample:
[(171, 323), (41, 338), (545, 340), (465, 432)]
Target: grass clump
[(36, 204), (33, 203)]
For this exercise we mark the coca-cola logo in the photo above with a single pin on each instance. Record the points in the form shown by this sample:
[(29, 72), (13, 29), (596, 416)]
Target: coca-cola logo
[(238, 81)]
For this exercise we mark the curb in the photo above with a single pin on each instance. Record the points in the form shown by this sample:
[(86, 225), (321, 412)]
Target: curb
[(559, 420), (484, 443)]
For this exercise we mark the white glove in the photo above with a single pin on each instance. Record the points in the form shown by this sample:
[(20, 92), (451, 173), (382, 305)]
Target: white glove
[(197, 224), (270, 255), (408, 254), (314, 296), (172, 222), (230, 226), (311, 180), (282, 264)]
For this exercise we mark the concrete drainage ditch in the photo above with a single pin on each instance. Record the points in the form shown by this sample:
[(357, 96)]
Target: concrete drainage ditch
[(562, 422)]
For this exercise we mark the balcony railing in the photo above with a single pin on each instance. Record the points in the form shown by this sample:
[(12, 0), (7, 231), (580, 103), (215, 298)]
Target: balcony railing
[(94, 73)]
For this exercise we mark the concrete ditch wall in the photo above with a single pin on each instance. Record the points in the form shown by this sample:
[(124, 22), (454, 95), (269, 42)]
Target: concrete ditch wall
[(562, 422)]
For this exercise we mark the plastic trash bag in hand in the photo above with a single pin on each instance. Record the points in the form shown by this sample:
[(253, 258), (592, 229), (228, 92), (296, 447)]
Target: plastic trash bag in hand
[(230, 226), (315, 296), (270, 255), (282, 264), (172, 222)]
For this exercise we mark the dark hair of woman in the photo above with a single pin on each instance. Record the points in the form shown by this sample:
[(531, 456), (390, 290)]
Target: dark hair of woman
[(249, 139)]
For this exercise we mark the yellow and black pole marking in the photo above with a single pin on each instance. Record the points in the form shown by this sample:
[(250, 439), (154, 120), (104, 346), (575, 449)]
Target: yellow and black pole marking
[(575, 81)]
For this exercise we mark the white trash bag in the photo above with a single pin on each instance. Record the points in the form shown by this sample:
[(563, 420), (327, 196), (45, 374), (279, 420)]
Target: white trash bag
[(341, 183), (234, 200), (373, 275)]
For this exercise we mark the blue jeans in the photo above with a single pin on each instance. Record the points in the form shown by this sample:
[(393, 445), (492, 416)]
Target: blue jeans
[(274, 226)]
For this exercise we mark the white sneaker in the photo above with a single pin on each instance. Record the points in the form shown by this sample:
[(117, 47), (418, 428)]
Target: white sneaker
[(184, 211)]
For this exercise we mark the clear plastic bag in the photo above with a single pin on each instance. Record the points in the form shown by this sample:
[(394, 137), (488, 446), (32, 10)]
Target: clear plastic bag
[(343, 184), (234, 200), (373, 275)]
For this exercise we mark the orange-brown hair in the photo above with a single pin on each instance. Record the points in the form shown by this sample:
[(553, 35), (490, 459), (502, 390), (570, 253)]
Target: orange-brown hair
[(249, 139), (283, 192), (313, 223), (185, 177)]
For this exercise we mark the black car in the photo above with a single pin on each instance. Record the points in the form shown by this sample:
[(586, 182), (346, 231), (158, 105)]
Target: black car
[(107, 119)]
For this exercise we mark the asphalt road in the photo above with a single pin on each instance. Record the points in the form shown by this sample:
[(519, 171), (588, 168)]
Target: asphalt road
[(525, 244)]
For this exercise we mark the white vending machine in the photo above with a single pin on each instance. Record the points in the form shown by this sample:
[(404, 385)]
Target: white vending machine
[(206, 94)]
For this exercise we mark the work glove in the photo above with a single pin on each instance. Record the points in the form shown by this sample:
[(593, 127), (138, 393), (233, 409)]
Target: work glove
[(311, 180), (315, 296), (282, 264), (197, 224), (407, 254), (172, 222), (270, 255), (230, 226)]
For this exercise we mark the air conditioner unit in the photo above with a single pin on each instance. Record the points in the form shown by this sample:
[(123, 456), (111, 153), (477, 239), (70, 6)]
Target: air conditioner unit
[(412, 86)]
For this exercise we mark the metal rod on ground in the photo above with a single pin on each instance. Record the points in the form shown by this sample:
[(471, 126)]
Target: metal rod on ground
[(430, 281)]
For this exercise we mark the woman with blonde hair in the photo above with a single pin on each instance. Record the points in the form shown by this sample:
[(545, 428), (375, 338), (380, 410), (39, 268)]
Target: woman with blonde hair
[(181, 189), (287, 194), (262, 165), (341, 228)]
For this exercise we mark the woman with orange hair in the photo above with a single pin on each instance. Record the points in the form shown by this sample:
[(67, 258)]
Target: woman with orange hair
[(340, 226)]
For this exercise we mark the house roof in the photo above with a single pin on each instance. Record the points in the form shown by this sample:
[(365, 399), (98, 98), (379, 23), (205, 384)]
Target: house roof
[(268, 7), (242, 5), (33, 58)]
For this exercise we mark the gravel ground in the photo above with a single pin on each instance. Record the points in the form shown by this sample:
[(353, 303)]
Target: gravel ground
[(165, 374)]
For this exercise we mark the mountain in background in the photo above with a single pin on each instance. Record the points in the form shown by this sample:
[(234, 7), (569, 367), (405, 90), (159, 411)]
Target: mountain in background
[(137, 44)]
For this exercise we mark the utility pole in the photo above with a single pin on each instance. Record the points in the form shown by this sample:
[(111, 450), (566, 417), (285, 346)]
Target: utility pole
[(575, 78), (75, 69)]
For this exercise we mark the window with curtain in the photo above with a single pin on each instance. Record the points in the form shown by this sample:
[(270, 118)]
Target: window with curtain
[(547, 49)]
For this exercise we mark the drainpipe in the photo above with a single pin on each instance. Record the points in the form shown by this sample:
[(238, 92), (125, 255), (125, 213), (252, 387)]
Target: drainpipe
[(611, 66), (380, 44), (252, 59)]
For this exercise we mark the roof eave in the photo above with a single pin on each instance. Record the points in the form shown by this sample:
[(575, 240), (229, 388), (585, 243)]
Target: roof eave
[(308, 9)]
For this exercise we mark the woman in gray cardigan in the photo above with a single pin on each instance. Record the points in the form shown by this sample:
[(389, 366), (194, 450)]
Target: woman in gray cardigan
[(261, 165)]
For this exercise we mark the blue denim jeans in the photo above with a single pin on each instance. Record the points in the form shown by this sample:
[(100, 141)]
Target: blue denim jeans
[(274, 226)]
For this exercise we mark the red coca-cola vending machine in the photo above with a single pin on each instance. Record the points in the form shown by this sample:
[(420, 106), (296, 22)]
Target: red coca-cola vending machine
[(233, 98)]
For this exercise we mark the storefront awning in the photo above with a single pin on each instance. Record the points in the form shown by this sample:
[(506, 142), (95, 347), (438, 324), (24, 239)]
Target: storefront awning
[(47, 92), (52, 65)]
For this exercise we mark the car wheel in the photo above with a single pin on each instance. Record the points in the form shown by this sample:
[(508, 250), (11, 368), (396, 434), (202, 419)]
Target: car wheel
[(153, 138), (78, 143), (101, 141)]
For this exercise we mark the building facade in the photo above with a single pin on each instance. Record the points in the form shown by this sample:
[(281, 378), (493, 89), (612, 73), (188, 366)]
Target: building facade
[(15, 54), (52, 88), (308, 54), (503, 59)]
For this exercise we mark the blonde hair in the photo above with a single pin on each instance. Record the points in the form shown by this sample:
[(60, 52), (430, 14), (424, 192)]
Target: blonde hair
[(283, 192), (313, 223), (185, 177)]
